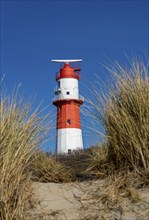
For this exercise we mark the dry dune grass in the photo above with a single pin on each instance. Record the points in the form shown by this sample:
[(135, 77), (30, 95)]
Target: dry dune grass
[(22, 130), (119, 196), (77, 162), (124, 113), (47, 169)]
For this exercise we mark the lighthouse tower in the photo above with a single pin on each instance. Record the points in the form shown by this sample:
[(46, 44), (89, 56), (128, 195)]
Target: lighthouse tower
[(68, 101)]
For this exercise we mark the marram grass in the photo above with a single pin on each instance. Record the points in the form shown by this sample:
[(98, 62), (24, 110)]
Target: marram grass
[(124, 114), (22, 130), (47, 169)]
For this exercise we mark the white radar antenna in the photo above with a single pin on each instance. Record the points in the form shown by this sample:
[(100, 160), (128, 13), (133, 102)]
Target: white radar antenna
[(67, 61)]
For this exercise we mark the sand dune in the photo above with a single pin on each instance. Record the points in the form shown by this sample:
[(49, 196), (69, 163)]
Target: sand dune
[(87, 200)]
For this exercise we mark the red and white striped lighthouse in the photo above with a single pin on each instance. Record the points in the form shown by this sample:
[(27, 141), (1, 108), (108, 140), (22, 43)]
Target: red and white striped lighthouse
[(68, 101)]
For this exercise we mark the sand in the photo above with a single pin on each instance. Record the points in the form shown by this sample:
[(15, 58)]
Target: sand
[(87, 200)]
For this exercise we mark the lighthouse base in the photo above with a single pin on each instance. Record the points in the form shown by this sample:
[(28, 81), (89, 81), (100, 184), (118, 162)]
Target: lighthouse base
[(69, 139)]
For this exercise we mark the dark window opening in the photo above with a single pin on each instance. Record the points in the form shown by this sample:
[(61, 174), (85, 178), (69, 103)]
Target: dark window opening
[(58, 84), (69, 151), (68, 121), (67, 93)]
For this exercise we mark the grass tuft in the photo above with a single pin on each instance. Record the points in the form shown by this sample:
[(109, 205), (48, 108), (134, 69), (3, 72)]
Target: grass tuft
[(47, 169), (124, 114), (22, 130)]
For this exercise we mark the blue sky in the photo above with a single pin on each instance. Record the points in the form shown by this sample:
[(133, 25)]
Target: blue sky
[(34, 32)]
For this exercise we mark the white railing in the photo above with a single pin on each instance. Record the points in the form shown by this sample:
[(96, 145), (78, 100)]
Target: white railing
[(57, 90)]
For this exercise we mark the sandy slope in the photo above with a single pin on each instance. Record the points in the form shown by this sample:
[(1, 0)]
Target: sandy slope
[(88, 200)]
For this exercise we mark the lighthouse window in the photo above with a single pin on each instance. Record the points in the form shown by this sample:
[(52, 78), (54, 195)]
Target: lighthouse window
[(68, 121), (69, 151), (67, 93), (58, 84)]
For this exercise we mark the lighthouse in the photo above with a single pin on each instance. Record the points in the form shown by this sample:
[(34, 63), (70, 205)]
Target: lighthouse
[(68, 102)]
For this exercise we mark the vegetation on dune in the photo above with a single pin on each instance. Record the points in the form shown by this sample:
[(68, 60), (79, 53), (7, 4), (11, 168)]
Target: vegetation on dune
[(127, 122), (47, 169), (124, 113), (22, 131)]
